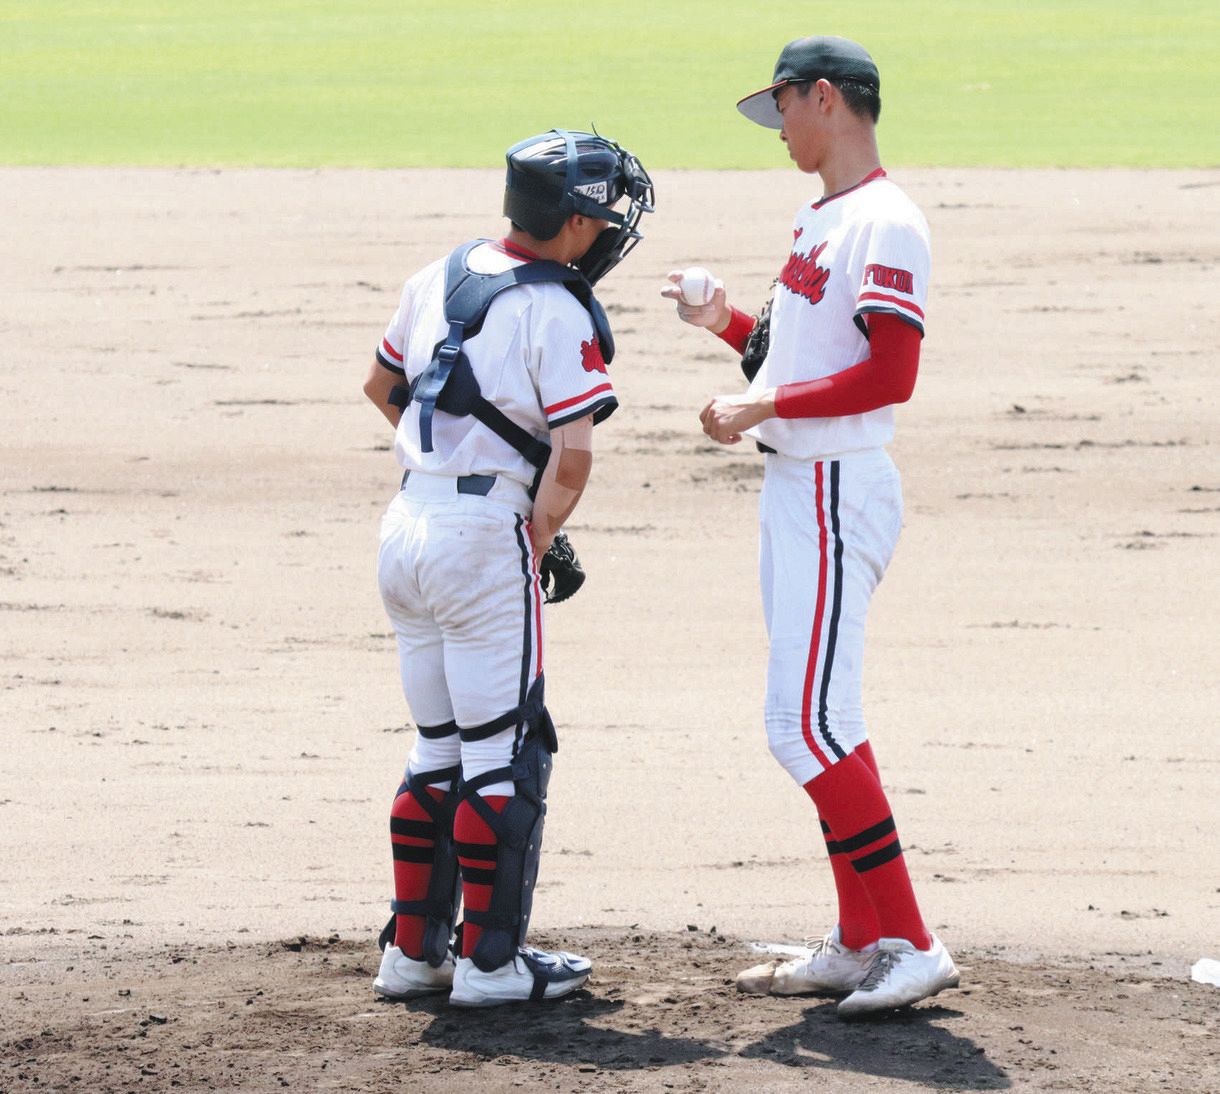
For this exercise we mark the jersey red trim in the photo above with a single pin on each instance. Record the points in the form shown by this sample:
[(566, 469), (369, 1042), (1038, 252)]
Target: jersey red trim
[(892, 300), (390, 351), (515, 250), (871, 177), (577, 399)]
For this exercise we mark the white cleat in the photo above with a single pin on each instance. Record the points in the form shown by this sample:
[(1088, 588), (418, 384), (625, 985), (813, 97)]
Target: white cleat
[(830, 967), (899, 975), (402, 977), (532, 975)]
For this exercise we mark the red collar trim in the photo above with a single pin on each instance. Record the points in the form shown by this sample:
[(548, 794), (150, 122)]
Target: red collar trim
[(871, 177), (515, 250)]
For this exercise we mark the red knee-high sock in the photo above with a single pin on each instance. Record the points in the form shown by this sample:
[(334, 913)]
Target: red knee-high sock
[(865, 752), (850, 799), (858, 925), (476, 846), (412, 839), (857, 920)]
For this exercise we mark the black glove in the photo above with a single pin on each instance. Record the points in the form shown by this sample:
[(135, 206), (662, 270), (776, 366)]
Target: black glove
[(759, 341), (560, 570)]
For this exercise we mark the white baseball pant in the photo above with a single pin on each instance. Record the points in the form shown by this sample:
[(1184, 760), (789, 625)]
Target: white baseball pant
[(829, 528), (459, 581)]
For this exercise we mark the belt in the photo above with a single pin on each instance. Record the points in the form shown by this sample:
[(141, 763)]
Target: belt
[(466, 484)]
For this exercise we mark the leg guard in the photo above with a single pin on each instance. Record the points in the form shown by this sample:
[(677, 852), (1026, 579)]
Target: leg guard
[(439, 906), (518, 832)]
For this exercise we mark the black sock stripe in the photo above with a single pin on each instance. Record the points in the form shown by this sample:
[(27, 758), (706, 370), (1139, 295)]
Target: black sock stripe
[(483, 852), (834, 847), (835, 611), (473, 875), (420, 829), (825, 827), (406, 852), (887, 853), (868, 835)]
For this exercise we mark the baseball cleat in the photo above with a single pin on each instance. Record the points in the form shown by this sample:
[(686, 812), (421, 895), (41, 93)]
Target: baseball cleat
[(402, 977), (899, 975), (830, 967), (532, 975)]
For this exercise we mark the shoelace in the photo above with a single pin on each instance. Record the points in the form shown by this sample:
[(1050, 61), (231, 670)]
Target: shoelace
[(878, 969), (817, 944)]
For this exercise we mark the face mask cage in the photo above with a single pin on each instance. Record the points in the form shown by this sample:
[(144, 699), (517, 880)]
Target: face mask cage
[(616, 242)]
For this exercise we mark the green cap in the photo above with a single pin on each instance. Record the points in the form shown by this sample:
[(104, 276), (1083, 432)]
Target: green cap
[(809, 59)]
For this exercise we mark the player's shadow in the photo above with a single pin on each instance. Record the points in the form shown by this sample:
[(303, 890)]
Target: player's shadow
[(559, 1032), (909, 1044)]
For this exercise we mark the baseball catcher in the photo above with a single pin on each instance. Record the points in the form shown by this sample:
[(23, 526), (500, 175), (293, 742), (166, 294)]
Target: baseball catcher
[(493, 372)]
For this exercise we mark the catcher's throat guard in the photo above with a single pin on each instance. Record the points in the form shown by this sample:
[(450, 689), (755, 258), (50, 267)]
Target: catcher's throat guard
[(448, 383), (518, 831), (440, 903)]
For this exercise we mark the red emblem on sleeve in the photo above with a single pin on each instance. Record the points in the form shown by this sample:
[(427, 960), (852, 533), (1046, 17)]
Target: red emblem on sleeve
[(591, 356)]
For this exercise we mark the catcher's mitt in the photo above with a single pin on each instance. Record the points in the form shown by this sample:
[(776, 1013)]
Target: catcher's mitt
[(760, 338), (560, 570)]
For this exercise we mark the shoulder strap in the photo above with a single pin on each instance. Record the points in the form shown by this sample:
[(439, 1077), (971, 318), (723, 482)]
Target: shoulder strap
[(468, 295)]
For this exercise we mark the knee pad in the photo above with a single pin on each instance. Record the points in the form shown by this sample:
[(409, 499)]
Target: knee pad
[(440, 903)]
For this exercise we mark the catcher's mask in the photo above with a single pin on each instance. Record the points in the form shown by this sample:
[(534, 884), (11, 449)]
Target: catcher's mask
[(557, 174)]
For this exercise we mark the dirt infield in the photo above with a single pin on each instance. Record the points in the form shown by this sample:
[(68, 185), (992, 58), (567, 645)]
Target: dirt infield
[(661, 1014), (203, 725)]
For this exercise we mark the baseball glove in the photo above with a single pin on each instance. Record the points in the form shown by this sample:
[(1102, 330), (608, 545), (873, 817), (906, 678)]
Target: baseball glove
[(560, 570), (759, 340)]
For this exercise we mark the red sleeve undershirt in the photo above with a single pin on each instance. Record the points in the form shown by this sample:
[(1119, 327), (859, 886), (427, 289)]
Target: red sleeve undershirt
[(885, 376), (738, 330)]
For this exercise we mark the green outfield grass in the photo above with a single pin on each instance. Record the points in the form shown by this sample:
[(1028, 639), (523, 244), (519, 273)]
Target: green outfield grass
[(426, 83)]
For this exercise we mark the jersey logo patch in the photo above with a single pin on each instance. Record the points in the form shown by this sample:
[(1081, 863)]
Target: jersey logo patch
[(591, 356), (886, 277), (802, 275)]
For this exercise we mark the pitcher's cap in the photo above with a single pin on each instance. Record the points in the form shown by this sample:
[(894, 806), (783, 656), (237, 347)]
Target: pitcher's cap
[(809, 59)]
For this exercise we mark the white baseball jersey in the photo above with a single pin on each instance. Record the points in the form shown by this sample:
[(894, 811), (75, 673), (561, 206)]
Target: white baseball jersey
[(537, 358), (860, 251)]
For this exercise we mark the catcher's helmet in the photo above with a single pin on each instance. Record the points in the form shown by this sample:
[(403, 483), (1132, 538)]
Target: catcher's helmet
[(556, 174)]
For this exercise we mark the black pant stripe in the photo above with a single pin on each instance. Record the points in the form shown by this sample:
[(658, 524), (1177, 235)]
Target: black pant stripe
[(836, 611), (878, 858), (526, 642)]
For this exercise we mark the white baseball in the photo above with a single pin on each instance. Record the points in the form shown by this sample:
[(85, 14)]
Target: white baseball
[(697, 286)]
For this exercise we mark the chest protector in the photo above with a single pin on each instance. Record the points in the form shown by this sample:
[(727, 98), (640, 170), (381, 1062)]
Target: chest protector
[(448, 382)]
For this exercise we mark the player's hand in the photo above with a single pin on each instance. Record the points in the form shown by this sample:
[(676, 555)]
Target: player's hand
[(713, 316), (727, 417)]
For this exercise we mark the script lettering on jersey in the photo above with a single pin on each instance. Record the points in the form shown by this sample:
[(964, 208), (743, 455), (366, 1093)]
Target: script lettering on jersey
[(885, 277), (802, 275), (591, 356)]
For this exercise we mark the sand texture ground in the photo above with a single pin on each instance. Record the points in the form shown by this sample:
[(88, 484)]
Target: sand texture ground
[(203, 726)]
